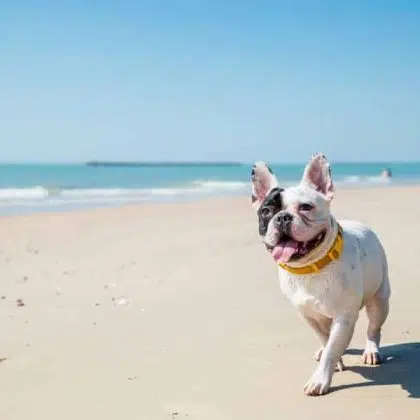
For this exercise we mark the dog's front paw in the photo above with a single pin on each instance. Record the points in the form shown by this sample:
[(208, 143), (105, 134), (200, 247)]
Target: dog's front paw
[(319, 384), (340, 364)]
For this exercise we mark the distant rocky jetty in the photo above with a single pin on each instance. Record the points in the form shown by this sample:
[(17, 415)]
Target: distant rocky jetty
[(159, 164)]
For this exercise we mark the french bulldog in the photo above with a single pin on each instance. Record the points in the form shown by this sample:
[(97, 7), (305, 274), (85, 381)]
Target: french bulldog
[(328, 288)]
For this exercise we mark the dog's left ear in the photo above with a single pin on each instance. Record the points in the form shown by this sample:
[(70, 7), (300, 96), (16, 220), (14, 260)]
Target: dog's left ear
[(263, 181), (317, 175)]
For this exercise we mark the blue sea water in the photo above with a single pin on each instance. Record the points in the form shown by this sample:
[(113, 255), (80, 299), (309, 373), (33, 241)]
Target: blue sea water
[(36, 187)]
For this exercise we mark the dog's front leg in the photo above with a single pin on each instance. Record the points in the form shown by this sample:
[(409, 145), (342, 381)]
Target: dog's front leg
[(322, 326), (340, 335)]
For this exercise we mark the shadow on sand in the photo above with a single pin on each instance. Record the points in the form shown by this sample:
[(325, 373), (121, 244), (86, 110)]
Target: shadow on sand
[(401, 367)]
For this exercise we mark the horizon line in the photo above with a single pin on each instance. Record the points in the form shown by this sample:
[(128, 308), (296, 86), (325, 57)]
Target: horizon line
[(195, 162), (128, 163)]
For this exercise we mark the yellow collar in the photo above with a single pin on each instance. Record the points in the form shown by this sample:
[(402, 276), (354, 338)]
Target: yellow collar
[(333, 254)]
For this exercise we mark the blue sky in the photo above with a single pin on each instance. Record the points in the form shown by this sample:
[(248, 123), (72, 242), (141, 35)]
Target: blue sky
[(209, 79)]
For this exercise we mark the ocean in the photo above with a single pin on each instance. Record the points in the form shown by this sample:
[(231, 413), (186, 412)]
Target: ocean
[(26, 188)]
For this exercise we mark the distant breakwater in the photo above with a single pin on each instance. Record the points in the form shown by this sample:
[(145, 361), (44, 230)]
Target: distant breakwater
[(162, 164)]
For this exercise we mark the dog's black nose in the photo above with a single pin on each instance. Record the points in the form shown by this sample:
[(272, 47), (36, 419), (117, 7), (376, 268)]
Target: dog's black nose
[(284, 219)]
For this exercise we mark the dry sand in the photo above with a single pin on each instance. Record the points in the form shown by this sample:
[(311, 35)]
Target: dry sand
[(174, 312)]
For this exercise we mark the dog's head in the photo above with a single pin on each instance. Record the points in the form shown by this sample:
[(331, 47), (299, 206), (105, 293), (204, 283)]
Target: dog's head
[(295, 220)]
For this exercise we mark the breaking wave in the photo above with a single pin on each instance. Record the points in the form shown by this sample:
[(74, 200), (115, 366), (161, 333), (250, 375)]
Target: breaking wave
[(46, 197)]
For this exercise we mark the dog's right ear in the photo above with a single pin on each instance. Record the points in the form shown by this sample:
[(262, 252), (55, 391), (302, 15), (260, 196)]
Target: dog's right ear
[(263, 181)]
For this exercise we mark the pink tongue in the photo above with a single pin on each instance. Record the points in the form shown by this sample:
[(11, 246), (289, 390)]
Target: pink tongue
[(283, 253)]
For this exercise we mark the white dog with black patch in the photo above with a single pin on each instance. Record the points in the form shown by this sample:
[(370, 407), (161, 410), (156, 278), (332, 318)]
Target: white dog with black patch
[(328, 269)]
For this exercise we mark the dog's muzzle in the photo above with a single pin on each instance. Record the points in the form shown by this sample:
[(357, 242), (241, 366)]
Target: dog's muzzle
[(283, 222)]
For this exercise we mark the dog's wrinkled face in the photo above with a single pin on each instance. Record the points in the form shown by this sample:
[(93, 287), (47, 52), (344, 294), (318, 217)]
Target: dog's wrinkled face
[(295, 220)]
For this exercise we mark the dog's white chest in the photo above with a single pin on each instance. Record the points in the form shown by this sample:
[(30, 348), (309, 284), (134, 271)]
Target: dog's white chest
[(311, 293)]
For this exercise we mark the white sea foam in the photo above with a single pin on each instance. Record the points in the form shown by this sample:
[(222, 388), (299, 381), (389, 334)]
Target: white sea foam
[(221, 185), (51, 195), (364, 180), (23, 193)]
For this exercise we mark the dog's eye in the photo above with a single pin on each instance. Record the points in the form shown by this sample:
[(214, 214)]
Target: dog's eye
[(306, 207), (265, 212)]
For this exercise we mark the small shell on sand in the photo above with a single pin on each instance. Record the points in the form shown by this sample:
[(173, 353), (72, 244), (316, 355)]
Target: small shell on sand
[(121, 301)]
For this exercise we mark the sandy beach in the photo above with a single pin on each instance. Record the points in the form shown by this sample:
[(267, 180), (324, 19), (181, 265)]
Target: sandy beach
[(173, 311)]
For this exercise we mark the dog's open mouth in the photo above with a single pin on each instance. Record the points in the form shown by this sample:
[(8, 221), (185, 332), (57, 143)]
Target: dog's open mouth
[(289, 249)]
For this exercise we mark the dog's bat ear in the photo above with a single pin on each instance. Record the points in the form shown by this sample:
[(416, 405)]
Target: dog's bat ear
[(317, 175), (263, 181)]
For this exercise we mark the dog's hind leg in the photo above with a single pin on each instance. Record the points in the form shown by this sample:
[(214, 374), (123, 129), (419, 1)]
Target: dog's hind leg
[(377, 309)]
